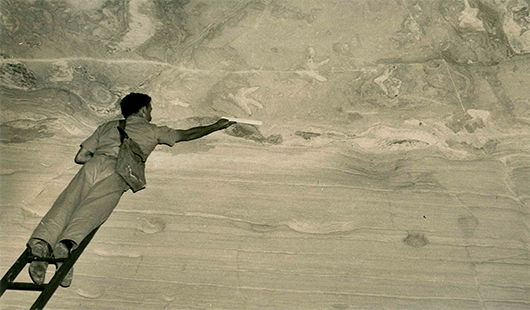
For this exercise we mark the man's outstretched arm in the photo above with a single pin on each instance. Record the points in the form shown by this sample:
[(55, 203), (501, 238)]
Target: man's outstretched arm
[(201, 131), (83, 156)]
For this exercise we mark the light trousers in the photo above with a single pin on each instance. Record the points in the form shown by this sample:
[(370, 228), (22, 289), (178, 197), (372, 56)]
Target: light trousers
[(85, 204)]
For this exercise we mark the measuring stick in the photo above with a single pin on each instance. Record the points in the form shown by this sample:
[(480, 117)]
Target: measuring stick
[(244, 121)]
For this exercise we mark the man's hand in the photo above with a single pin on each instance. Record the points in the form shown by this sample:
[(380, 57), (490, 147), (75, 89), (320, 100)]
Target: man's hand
[(224, 123)]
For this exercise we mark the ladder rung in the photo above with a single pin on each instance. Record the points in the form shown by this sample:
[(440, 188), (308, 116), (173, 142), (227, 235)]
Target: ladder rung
[(21, 286), (46, 259)]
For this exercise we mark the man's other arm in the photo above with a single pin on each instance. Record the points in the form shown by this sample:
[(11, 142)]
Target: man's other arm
[(201, 131), (83, 156)]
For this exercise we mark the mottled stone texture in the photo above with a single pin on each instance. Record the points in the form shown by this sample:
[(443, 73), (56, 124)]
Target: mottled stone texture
[(392, 170)]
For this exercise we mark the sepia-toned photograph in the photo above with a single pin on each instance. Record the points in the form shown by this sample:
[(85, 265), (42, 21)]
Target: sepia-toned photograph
[(265, 154)]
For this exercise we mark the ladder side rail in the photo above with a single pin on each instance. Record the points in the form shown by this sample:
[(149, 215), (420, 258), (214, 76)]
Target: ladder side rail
[(14, 271)]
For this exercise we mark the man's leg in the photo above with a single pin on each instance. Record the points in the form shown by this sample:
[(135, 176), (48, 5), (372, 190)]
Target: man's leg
[(93, 211), (56, 220), (51, 226)]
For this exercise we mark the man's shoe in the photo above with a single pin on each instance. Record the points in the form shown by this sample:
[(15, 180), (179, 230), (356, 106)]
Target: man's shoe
[(62, 251), (37, 270)]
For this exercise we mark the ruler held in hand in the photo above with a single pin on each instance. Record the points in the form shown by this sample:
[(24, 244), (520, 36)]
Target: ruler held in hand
[(244, 121)]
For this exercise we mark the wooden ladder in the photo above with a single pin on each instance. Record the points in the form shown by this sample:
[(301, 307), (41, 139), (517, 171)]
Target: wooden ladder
[(46, 289)]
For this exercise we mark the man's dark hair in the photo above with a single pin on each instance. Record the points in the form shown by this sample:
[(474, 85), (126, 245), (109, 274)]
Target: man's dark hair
[(133, 102)]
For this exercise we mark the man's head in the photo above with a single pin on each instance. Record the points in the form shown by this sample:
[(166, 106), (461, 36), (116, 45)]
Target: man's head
[(136, 103)]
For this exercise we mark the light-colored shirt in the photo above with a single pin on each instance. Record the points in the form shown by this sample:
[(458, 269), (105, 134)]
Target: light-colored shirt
[(106, 139)]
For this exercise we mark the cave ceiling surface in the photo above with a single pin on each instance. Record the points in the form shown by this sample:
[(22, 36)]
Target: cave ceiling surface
[(343, 65), (391, 169)]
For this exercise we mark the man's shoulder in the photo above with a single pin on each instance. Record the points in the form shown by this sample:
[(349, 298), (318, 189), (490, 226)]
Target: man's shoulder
[(138, 125), (105, 127), (112, 123)]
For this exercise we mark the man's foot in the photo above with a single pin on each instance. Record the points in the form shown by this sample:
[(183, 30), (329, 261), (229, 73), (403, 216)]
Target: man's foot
[(62, 251), (37, 270)]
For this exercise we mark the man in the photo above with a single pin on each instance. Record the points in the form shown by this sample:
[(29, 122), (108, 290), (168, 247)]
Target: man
[(94, 192)]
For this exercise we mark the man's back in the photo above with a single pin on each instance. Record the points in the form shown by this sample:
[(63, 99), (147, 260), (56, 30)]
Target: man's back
[(106, 139)]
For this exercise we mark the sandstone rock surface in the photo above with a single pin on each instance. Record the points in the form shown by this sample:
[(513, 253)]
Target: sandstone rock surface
[(392, 169)]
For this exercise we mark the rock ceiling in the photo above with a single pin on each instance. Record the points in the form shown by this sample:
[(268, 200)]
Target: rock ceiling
[(391, 170)]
